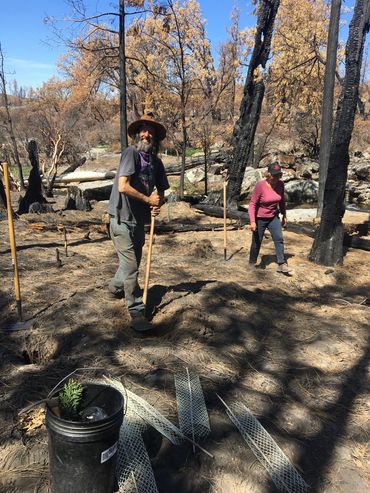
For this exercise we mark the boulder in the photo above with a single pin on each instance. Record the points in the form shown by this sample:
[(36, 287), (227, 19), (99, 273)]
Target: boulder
[(195, 175), (362, 171), (301, 191), (251, 177)]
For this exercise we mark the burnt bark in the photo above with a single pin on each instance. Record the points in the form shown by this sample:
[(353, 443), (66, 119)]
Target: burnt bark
[(74, 166), (217, 211), (2, 194), (327, 248), (250, 108), (34, 191), (328, 98)]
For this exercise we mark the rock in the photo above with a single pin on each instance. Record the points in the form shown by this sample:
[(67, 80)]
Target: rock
[(301, 191), (215, 169), (195, 175), (358, 154), (37, 208), (251, 177), (362, 172)]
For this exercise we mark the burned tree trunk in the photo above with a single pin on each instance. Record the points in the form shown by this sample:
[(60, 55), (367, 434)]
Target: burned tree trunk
[(327, 248), (250, 107), (34, 191), (328, 97)]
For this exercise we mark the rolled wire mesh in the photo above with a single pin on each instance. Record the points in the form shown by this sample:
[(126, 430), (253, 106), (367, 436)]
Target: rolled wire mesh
[(277, 464), (148, 413), (134, 471), (191, 407)]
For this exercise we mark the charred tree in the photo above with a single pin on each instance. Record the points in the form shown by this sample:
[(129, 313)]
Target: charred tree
[(328, 97), (34, 193), (250, 108), (327, 248), (2, 194)]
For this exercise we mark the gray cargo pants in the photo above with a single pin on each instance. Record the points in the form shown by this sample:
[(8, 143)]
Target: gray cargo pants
[(128, 239)]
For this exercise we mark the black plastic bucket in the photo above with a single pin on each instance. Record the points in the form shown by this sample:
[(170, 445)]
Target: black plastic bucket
[(82, 455)]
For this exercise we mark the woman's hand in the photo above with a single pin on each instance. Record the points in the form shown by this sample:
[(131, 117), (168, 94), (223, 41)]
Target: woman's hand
[(253, 226), (283, 221)]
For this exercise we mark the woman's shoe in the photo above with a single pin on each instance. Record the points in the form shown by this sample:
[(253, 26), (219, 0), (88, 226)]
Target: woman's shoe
[(283, 268)]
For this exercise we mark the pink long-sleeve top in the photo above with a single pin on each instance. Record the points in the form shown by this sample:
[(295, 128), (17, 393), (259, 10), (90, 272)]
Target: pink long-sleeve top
[(266, 201)]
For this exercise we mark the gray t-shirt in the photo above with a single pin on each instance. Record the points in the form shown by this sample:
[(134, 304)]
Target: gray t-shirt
[(146, 172)]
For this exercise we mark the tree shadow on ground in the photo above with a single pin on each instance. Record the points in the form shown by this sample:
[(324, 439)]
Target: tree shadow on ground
[(262, 342)]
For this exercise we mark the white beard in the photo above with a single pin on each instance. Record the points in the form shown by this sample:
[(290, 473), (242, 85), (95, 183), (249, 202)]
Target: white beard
[(140, 146)]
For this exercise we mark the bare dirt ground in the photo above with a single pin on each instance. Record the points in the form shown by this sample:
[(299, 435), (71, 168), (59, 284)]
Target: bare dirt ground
[(294, 349)]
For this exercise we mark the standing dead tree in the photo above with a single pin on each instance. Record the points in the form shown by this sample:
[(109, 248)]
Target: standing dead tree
[(34, 193), (327, 248), (328, 97), (250, 108)]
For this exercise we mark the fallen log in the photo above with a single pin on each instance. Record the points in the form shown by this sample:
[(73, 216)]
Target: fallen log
[(74, 166), (216, 211), (84, 176), (175, 169), (357, 242), (185, 228)]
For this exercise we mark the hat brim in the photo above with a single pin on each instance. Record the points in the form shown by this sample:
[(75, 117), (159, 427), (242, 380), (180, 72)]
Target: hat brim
[(134, 127)]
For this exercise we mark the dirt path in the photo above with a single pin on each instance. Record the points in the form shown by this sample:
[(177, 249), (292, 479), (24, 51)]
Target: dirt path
[(294, 349)]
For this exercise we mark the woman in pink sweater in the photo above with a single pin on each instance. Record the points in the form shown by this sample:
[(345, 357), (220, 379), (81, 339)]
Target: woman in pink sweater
[(266, 203)]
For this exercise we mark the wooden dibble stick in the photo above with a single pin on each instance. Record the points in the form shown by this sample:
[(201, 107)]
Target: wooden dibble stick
[(149, 260), (13, 247), (65, 241), (225, 216)]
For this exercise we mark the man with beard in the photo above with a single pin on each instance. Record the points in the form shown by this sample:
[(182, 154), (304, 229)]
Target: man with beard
[(137, 193)]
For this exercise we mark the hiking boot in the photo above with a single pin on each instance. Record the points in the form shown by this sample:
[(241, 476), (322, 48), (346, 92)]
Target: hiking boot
[(118, 295), (139, 322), (283, 268)]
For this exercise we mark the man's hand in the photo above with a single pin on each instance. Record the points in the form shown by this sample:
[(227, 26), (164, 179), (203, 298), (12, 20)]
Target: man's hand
[(284, 222), (154, 211), (154, 200)]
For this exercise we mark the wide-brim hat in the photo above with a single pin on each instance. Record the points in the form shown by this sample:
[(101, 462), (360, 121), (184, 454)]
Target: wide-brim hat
[(148, 118), (274, 168)]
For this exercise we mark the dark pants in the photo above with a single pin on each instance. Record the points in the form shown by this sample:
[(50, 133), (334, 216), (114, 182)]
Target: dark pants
[(128, 240), (274, 226)]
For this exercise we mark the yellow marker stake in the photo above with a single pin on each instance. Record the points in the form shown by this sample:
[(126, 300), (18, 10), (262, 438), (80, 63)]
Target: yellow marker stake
[(13, 247), (225, 215), (65, 241)]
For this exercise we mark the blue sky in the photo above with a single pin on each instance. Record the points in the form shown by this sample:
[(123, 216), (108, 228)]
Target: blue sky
[(31, 53)]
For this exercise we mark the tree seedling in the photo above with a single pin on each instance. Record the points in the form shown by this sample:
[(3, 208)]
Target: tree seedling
[(70, 400)]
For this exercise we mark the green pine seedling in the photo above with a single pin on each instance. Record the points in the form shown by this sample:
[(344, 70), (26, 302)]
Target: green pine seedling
[(70, 400)]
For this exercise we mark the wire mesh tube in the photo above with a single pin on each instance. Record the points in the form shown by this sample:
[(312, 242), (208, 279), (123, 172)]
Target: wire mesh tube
[(149, 414), (134, 471), (277, 464), (191, 407)]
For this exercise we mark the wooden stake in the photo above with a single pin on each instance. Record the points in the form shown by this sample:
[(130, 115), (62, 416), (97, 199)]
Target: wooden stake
[(149, 260), (225, 215), (65, 241), (13, 247)]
